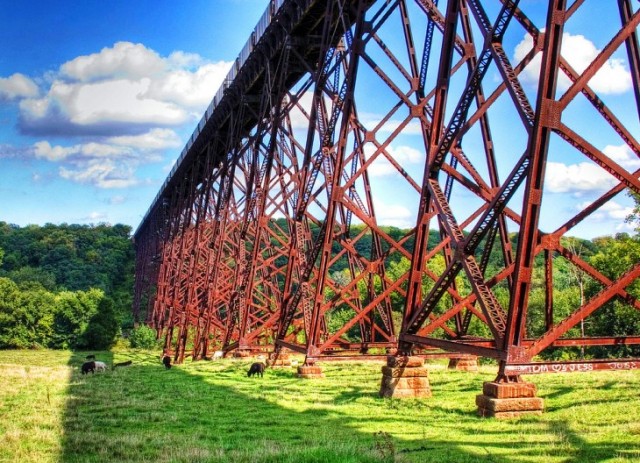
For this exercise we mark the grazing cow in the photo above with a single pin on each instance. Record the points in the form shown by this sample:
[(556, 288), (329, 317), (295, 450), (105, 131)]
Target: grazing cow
[(256, 369), (88, 367), (100, 366), (217, 355), (166, 360), (122, 364), (91, 357)]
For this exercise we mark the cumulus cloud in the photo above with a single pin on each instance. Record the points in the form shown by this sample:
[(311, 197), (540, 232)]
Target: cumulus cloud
[(124, 101), (623, 155), (403, 155), (123, 60), (584, 177), (110, 163), (371, 121), (116, 103), (17, 86), (396, 215), (44, 150), (577, 178), (612, 78), (101, 173), (610, 211), (155, 139), (122, 90), (191, 89)]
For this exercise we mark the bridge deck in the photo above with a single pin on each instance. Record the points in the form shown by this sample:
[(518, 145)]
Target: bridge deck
[(296, 22)]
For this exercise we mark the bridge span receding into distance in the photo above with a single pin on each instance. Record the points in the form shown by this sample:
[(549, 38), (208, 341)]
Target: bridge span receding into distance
[(338, 118)]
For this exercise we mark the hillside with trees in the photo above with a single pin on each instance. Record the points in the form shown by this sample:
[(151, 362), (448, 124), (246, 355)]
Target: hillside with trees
[(64, 286), (70, 286)]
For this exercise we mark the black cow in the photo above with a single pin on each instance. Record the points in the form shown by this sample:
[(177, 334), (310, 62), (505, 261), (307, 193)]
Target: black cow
[(166, 360), (88, 367), (256, 369)]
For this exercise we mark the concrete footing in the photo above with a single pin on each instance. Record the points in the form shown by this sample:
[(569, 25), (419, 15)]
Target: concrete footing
[(405, 377), (508, 400), (283, 360), (310, 371), (465, 363)]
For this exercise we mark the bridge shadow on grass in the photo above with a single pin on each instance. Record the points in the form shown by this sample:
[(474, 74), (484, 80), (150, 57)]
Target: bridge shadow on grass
[(581, 450), (211, 412)]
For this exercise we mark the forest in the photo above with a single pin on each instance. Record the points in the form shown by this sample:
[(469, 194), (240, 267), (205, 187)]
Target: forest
[(65, 286), (70, 286)]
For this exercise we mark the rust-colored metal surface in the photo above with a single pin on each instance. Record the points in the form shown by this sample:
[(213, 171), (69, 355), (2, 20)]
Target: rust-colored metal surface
[(338, 116)]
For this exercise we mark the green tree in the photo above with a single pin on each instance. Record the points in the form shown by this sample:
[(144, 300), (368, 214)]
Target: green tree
[(615, 256), (71, 319), (27, 276), (26, 317), (634, 217), (143, 337), (9, 302), (102, 328)]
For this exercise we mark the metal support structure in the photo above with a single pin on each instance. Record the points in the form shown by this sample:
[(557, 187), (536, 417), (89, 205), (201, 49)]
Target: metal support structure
[(269, 232)]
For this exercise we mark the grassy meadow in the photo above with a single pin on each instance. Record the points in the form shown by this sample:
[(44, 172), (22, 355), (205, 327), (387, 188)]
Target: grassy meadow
[(211, 412)]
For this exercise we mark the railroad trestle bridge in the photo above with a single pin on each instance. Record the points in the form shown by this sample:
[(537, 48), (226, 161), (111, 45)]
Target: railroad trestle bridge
[(338, 116)]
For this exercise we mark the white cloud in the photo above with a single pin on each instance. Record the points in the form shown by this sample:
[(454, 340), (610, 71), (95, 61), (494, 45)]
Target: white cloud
[(17, 86), (101, 173), (297, 117), (396, 215), (44, 150), (123, 60), (103, 103), (155, 139), (187, 88), (108, 164), (587, 176), (403, 155), (124, 101), (370, 121), (622, 155), (122, 90), (612, 78), (183, 60), (610, 211), (577, 178), (95, 217)]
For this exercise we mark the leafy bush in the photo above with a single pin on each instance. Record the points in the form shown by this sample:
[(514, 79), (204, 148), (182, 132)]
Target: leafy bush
[(143, 337)]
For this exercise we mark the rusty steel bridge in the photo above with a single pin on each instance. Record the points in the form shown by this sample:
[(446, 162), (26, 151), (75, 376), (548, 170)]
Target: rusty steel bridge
[(269, 233)]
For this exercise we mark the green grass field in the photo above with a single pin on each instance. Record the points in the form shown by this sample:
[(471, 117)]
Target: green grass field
[(211, 411)]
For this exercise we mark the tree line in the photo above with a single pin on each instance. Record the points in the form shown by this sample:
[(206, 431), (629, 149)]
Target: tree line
[(70, 286)]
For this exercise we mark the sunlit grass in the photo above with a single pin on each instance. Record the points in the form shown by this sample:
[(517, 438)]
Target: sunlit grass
[(211, 411)]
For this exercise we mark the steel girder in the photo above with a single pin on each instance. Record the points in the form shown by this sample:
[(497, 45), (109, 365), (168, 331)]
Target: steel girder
[(258, 238)]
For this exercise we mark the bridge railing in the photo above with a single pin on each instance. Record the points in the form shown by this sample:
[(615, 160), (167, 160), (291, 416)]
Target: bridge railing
[(254, 37)]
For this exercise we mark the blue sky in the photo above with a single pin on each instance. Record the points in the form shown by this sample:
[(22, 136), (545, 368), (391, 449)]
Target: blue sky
[(74, 145), (98, 98)]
